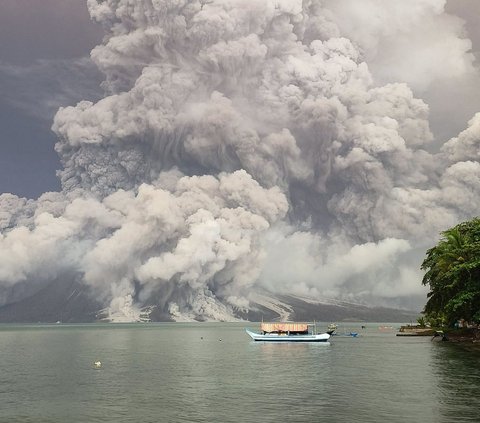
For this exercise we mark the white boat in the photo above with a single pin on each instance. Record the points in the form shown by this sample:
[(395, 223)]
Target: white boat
[(288, 332)]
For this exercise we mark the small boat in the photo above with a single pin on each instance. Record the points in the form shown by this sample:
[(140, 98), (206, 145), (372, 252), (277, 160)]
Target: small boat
[(332, 329), (288, 332), (351, 334)]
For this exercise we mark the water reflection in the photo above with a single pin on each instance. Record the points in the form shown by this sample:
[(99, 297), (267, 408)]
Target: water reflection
[(285, 347), (458, 372)]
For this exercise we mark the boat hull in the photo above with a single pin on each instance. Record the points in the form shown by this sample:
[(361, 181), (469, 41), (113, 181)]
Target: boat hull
[(273, 337)]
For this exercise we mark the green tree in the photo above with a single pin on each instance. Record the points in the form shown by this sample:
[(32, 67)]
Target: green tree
[(422, 322), (453, 274)]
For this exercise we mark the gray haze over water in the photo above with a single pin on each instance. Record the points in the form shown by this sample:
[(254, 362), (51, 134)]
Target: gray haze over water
[(238, 147)]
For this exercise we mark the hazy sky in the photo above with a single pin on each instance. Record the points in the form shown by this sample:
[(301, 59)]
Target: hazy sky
[(314, 148), (39, 42)]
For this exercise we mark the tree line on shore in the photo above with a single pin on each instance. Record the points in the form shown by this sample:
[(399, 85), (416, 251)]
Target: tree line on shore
[(452, 272)]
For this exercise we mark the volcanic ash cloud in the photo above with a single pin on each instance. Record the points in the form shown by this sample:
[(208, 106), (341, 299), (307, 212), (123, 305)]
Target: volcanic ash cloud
[(242, 145)]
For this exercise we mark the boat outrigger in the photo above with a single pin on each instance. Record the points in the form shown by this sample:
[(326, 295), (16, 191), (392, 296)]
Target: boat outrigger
[(288, 332)]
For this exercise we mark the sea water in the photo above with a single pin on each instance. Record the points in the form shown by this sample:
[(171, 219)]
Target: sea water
[(213, 372)]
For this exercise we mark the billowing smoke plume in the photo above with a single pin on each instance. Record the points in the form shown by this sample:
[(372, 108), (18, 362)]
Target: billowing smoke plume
[(245, 145)]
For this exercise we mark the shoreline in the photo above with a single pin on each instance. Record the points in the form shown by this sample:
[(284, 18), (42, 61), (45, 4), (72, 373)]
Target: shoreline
[(461, 335)]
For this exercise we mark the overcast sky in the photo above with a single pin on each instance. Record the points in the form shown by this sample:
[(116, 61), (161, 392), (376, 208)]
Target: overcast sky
[(40, 45)]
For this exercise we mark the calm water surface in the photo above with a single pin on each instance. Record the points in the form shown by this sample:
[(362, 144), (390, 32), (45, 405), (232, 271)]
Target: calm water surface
[(210, 372)]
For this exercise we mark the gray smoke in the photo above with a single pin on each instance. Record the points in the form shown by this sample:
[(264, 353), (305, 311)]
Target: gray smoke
[(245, 145)]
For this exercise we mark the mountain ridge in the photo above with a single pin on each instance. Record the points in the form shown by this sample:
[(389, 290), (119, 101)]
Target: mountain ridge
[(72, 302)]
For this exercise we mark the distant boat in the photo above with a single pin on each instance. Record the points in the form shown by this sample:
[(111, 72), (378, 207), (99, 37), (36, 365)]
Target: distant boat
[(332, 329), (288, 332), (352, 334)]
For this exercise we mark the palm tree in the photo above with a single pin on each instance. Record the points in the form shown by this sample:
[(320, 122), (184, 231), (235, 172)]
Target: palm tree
[(453, 273)]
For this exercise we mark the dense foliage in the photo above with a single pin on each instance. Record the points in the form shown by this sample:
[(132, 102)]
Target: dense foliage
[(453, 274)]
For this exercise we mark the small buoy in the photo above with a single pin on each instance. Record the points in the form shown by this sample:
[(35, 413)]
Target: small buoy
[(219, 339), (201, 337), (97, 364)]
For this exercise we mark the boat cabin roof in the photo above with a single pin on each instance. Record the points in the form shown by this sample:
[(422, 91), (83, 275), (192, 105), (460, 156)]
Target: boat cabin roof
[(284, 327)]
